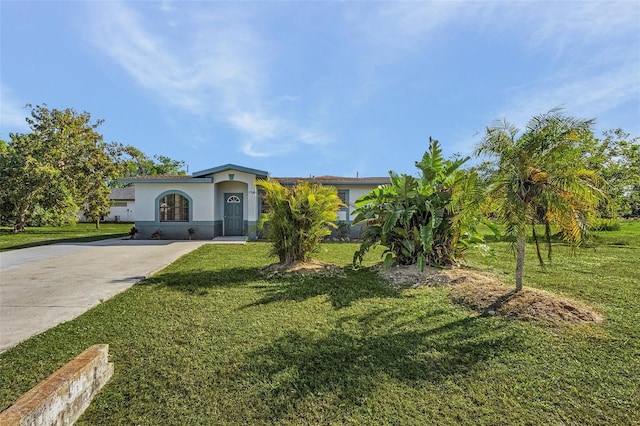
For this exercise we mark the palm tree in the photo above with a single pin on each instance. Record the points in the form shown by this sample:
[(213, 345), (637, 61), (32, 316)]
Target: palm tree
[(298, 218), (537, 177)]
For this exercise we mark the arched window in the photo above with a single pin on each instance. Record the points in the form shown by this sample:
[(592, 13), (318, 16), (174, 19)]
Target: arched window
[(174, 208)]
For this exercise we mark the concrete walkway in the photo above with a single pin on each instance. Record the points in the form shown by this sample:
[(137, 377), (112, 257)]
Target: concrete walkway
[(41, 287)]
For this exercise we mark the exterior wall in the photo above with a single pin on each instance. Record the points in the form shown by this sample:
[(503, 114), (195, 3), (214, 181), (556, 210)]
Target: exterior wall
[(207, 203), (125, 214), (122, 214), (353, 193), (239, 182), (201, 209)]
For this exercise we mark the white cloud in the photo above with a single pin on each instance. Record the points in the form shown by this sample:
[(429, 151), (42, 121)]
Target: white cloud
[(268, 136), (582, 95), (567, 25), (392, 29), (12, 113), (217, 66)]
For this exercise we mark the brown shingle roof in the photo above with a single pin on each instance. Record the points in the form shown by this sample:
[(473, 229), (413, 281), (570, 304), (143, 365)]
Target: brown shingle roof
[(335, 180), (127, 193), (162, 177)]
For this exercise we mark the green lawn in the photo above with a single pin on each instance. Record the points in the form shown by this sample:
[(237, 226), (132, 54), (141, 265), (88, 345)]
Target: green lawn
[(210, 341), (81, 232)]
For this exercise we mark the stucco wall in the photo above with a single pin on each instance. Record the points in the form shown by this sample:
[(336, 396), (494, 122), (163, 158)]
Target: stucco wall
[(201, 194), (125, 213), (354, 192), (243, 183)]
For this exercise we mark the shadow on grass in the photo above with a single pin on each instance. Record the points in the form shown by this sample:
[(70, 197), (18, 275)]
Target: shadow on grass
[(350, 367), (197, 281), (341, 291)]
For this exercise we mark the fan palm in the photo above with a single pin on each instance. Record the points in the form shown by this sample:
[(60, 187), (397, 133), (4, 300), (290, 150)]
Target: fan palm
[(537, 177)]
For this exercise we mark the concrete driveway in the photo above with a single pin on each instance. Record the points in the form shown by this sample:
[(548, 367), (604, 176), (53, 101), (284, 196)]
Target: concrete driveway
[(41, 287)]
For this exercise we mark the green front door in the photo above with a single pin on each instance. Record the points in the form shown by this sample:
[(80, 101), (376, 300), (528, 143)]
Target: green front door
[(233, 220)]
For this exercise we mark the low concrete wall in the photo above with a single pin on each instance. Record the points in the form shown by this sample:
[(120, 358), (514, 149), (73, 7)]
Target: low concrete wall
[(64, 396)]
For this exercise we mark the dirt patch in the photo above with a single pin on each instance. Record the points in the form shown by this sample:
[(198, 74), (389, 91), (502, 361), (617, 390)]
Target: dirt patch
[(527, 304), (485, 294), (410, 276), (303, 269)]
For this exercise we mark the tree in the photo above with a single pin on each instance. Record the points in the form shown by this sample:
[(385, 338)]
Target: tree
[(298, 218), (139, 164), (61, 165), (429, 220), (616, 157), (538, 178)]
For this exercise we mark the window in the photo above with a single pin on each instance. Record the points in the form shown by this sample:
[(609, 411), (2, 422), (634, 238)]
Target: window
[(264, 206), (343, 194), (174, 208), (118, 204)]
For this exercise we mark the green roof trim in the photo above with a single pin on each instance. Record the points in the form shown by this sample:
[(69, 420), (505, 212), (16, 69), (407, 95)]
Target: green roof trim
[(224, 168)]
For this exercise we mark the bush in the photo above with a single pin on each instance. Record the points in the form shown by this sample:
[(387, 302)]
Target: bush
[(605, 224)]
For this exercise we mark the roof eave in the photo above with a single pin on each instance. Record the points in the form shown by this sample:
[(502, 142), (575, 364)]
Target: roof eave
[(229, 166), (166, 180)]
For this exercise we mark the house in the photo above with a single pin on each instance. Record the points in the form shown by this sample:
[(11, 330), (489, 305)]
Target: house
[(122, 204), (221, 201)]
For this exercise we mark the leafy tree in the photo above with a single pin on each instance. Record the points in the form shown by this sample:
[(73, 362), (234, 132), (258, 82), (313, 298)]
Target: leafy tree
[(139, 164), (538, 177), (298, 218), (61, 165), (429, 220), (616, 157)]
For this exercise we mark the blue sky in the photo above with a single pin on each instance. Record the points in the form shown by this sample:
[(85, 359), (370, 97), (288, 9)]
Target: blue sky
[(315, 88)]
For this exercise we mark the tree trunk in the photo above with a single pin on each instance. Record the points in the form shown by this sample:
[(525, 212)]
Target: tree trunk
[(97, 223), (20, 224), (535, 239), (522, 240), (547, 233)]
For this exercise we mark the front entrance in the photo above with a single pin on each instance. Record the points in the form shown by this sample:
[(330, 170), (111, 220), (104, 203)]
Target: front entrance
[(233, 220)]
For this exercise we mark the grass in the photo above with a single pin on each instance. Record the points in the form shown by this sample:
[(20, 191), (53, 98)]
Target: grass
[(80, 232), (209, 340)]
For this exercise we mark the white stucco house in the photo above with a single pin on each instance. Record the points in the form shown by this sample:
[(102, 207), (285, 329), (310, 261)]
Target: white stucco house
[(220, 201), (122, 204)]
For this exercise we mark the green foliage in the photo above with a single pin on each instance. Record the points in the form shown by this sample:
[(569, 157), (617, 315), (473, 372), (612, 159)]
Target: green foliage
[(60, 166), (538, 177), (616, 157), (605, 224), (298, 217), (209, 341), (428, 220), (137, 163)]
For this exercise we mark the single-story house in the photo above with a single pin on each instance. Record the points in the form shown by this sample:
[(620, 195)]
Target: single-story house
[(122, 206), (221, 201)]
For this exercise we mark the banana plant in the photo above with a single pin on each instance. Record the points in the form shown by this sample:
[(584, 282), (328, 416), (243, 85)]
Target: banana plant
[(425, 220)]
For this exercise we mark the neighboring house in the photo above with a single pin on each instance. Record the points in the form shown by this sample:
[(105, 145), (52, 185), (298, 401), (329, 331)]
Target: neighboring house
[(123, 201), (221, 201)]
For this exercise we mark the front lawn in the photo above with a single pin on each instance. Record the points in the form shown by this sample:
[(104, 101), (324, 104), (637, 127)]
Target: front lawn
[(43, 235), (210, 341)]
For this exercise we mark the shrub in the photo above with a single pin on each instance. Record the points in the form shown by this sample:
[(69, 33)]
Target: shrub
[(298, 218)]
